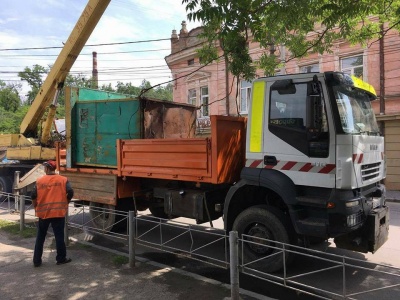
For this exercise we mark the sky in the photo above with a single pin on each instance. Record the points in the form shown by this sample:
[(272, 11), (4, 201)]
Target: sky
[(48, 23)]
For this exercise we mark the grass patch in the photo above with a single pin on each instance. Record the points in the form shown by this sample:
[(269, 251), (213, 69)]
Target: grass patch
[(120, 260), (13, 228)]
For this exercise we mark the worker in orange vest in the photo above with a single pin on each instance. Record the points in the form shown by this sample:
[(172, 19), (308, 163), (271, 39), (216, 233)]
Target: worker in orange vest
[(50, 197)]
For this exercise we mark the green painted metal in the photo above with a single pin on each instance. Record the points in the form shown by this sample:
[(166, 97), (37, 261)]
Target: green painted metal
[(90, 95), (98, 119)]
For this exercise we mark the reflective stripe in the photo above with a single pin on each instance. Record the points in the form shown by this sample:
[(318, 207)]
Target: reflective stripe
[(257, 111), (358, 158), (293, 166)]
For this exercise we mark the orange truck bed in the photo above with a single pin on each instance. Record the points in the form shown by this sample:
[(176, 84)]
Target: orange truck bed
[(218, 159)]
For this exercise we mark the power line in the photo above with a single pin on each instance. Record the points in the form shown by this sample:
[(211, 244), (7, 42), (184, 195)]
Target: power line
[(90, 45)]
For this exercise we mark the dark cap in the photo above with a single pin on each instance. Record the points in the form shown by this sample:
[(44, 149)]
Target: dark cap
[(50, 164)]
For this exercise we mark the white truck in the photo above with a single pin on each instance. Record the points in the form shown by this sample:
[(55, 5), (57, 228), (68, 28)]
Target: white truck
[(308, 167)]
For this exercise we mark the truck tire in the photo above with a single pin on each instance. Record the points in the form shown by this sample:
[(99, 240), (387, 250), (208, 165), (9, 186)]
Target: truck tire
[(266, 223), (5, 187), (102, 216)]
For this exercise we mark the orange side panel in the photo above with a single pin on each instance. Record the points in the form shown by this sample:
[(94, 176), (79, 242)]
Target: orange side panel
[(218, 159), (179, 159)]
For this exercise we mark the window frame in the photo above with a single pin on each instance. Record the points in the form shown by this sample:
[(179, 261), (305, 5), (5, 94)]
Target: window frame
[(310, 66), (244, 90), (191, 97), (204, 101), (350, 70)]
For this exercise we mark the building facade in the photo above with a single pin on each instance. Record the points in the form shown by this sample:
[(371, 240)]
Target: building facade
[(215, 91)]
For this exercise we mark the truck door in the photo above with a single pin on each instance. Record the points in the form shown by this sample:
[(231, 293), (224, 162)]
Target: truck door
[(297, 136)]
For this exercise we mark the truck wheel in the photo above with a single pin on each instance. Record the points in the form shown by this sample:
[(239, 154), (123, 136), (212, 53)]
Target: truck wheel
[(261, 222), (102, 215), (5, 187)]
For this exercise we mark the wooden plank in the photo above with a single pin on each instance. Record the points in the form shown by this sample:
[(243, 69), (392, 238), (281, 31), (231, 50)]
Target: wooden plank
[(393, 162), (392, 131), (393, 171), (395, 123), (392, 154), (392, 146), (395, 186), (93, 187)]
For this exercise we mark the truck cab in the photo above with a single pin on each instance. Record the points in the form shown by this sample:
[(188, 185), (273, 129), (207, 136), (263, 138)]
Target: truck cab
[(315, 159)]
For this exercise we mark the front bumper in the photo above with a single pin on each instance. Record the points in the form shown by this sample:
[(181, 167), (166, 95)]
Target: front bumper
[(371, 236)]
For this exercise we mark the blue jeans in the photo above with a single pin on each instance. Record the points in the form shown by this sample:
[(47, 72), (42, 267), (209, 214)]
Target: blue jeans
[(58, 228)]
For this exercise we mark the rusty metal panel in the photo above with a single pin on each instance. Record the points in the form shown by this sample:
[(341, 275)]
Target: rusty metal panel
[(163, 119), (229, 147), (93, 187)]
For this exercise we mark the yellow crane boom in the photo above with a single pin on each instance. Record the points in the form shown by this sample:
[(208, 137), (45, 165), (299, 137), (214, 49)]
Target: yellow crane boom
[(55, 79), (54, 82)]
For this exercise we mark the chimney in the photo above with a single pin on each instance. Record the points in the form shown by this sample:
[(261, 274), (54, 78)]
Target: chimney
[(183, 34), (174, 42), (183, 31), (95, 77)]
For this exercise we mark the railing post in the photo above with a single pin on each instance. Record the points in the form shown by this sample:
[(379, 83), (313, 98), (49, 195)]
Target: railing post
[(131, 237), (15, 190), (234, 264), (344, 277), (66, 236), (21, 212)]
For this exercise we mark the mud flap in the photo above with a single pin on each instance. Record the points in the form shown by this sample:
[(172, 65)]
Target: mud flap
[(371, 236)]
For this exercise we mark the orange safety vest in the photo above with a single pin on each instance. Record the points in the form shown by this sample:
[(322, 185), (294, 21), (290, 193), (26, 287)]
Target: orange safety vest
[(51, 196)]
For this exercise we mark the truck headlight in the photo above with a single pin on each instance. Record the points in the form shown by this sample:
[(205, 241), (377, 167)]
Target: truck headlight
[(353, 203)]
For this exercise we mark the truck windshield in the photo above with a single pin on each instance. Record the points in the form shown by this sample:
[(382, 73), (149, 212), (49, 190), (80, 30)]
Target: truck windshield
[(356, 113)]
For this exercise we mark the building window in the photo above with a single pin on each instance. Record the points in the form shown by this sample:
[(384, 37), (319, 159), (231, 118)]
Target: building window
[(190, 62), (353, 66), (245, 93), (192, 96), (204, 101), (310, 68)]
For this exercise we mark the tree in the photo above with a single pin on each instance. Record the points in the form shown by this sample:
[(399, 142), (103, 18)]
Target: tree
[(9, 97), (34, 77), (146, 90), (10, 121), (234, 23), (157, 92)]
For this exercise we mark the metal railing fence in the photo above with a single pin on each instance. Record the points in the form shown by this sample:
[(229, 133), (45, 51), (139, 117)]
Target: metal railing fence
[(214, 246)]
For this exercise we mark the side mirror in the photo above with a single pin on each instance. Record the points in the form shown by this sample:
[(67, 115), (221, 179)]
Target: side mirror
[(314, 109)]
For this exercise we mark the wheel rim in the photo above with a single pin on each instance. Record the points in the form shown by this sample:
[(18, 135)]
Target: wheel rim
[(259, 233)]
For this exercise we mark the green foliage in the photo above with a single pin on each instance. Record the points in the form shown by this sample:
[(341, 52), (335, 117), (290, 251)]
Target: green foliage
[(158, 92), (34, 77), (119, 260), (14, 228), (233, 23), (11, 121), (9, 97)]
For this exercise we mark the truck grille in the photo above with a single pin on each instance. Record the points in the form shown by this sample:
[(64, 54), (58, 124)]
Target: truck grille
[(370, 171)]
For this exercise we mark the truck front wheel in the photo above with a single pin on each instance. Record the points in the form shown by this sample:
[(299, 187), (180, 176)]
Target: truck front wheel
[(260, 224), (102, 216)]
